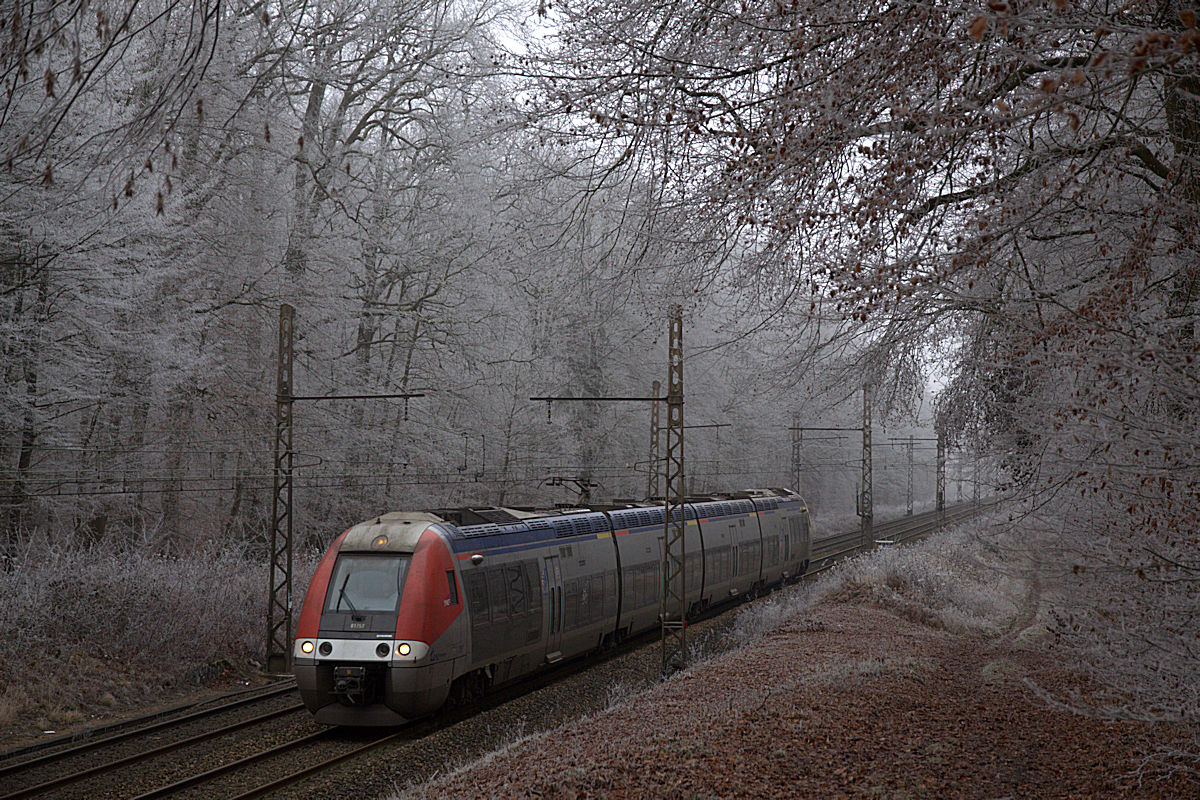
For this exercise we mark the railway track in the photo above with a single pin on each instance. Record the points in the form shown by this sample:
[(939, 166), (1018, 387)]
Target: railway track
[(253, 744), (63, 767), (828, 550)]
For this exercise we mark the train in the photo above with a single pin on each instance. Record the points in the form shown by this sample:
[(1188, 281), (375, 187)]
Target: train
[(411, 609)]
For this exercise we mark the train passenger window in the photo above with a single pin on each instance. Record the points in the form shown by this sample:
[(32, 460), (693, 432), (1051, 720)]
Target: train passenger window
[(571, 614), (497, 597), (533, 585), (629, 588), (645, 585), (771, 550), (453, 596), (477, 597), (596, 601), (514, 576)]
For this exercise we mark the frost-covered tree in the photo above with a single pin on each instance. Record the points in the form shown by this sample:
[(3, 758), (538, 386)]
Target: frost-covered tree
[(1009, 189)]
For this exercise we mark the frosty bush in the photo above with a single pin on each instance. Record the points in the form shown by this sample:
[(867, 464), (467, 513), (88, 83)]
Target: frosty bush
[(770, 613), (85, 626), (1125, 606), (946, 580)]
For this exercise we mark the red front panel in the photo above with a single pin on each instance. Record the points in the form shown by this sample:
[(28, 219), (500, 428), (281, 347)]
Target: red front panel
[(425, 610), (314, 600)]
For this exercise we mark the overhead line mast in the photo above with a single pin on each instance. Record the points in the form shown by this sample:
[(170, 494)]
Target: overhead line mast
[(653, 473), (279, 585), (867, 507), (674, 626)]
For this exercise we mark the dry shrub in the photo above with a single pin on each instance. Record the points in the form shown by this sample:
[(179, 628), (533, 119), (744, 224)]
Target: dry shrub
[(88, 629), (950, 580)]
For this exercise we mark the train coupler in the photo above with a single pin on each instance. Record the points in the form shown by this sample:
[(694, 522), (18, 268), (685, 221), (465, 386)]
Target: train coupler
[(350, 685)]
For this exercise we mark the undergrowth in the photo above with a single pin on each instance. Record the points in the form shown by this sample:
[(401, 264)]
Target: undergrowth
[(88, 630), (950, 580)]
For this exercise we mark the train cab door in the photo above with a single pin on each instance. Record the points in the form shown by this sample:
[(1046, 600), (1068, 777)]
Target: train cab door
[(553, 595)]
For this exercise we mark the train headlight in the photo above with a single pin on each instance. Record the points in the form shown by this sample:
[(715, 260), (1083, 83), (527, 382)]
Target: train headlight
[(306, 647), (403, 649)]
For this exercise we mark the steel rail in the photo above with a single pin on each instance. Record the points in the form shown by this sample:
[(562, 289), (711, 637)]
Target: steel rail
[(86, 742), (207, 775), (921, 524), (300, 774), (74, 777)]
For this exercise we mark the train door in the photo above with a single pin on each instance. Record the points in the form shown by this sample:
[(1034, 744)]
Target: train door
[(552, 577)]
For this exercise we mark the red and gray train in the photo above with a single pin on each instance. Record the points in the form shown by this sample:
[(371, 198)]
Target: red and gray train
[(409, 607)]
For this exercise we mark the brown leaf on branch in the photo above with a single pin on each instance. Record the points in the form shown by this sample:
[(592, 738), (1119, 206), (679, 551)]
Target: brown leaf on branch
[(979, 28)]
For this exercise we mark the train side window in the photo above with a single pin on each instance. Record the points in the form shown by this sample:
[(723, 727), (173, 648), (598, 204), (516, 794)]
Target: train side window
[(533, 585), (514, 576), (571, 615), (496, 594), (453, 585), (477, 597), (596, 601)]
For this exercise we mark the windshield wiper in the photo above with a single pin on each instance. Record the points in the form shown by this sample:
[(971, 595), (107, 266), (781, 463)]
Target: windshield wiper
[(343, 596)]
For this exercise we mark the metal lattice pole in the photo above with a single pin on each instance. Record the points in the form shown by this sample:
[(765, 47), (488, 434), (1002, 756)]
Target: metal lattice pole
[(652, 481), (797, 439), (909, 501), (868, 509), (674, 643), (941, 472), (279, 602)]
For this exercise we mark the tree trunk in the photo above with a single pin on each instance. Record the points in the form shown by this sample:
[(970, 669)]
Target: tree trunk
[(303, 214)]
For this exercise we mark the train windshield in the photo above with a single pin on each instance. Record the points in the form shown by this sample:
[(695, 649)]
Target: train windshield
[(367, 583)]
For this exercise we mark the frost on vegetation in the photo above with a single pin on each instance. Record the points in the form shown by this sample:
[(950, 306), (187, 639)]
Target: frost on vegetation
[(619, 693), (948, 580), (768, 614), (1124, 605), (81, 627), (507, 740)]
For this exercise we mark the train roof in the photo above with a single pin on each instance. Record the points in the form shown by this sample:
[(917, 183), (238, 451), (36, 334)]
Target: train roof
[(562, 521), (400, 530)]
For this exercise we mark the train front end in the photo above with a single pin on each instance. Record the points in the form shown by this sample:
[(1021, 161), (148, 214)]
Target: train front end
[(382, 633)]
